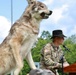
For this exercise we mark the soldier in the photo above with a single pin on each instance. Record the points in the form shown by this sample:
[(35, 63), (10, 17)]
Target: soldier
[(52, 52)]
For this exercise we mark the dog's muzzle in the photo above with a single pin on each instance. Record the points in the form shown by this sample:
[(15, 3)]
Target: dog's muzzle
[(46, 15)]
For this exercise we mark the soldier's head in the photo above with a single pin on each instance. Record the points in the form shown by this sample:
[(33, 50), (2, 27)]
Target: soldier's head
[(58, 36)]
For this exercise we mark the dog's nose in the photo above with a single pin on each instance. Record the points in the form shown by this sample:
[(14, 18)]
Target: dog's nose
[(50, 13)]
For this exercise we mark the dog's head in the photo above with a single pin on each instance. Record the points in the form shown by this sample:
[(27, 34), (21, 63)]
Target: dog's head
[(38, 10)]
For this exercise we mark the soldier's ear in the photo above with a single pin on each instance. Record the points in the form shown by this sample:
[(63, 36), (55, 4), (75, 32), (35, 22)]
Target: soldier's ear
[(31, 1)]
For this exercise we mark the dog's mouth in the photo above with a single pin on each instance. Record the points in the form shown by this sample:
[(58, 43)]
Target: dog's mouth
[(45, 15)]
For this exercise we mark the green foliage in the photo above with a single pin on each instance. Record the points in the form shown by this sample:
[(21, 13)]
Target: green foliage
[(25, 69), (70, 56)]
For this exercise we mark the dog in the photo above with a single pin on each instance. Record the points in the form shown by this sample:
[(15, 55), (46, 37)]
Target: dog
[(23, 34), (41, 72)]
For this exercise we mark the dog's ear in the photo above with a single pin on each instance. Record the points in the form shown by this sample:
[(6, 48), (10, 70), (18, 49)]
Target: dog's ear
[(31, 1)]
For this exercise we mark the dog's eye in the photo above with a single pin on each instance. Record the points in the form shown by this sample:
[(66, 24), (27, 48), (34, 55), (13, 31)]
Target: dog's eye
[(42, 6), (32, 2)]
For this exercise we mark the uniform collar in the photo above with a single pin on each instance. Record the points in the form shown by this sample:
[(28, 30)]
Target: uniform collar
[(55, 47)]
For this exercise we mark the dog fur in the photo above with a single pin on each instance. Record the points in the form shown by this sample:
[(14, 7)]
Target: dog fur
[(23, 34)]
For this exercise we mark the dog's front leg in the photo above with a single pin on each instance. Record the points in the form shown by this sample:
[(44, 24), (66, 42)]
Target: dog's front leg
[(30, 60), (15, 48), (12, 72)]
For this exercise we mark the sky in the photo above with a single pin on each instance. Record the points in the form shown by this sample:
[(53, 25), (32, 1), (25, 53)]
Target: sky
[(63, 16)]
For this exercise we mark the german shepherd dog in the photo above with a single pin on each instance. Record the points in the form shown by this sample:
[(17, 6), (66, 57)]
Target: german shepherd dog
[(23, 34)]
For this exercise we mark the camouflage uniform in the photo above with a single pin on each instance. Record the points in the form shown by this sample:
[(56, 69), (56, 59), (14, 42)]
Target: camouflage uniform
[(50, 57)]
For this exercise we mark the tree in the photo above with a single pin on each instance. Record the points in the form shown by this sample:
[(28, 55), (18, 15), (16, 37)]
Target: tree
[(70, 56), (73, 38), (45, 35)]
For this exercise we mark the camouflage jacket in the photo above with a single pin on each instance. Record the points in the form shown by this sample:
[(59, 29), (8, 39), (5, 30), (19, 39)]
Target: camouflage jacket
[(51, 56)]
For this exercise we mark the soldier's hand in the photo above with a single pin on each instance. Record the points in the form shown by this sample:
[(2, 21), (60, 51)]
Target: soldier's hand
[(56, 66)]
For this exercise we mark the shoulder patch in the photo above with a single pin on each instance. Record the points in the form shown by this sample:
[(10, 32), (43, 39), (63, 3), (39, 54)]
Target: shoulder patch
[(46, 50)]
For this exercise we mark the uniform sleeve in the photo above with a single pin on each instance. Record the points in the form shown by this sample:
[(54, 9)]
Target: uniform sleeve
[(47, 57)]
